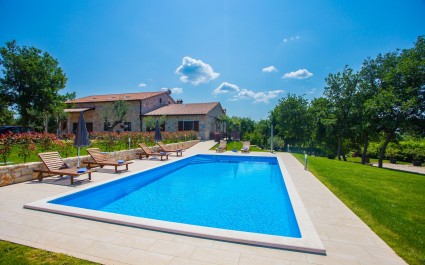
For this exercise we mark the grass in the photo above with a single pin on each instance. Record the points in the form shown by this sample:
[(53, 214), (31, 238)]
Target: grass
[(11, 253), (238, 146), (391, 203)]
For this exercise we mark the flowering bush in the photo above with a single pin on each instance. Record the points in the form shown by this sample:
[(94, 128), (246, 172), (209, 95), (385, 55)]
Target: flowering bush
[(25, 145), (5, 146), (45, 141), (108, 140)]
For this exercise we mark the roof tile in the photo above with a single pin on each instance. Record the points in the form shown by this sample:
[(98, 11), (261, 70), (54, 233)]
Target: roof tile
[(114, 97), (184, 109)]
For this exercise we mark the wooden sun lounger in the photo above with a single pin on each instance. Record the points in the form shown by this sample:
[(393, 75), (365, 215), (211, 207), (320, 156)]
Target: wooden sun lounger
[(222, 147), (148, 152), (56, 166), (102, 160), (167, 150), (245, 147)]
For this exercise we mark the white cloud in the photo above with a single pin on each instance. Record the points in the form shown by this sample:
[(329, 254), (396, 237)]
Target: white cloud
[(285, 40), (142, 85), (312, 91), (240, 94), (269, 69), (258, 97), (174, 90), (299, 74), (225, 87), (195, 71)]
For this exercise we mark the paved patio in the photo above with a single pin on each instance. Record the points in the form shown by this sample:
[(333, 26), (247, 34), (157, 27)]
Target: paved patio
[(346, 238)]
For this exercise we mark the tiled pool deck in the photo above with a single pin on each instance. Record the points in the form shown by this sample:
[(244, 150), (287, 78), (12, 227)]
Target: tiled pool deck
[(346, 238)]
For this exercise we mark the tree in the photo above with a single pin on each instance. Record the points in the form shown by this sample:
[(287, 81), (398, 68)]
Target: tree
[(31, 82), (115, 114), (6, 115), (247, 125), (221, 122), (260, 135), (323, 125), (150, 122), (341, 90), (399, 102), (370, 79), (291, 119), (233, 127)]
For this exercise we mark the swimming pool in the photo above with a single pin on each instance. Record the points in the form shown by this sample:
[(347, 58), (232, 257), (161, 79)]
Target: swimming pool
[(227, 197)]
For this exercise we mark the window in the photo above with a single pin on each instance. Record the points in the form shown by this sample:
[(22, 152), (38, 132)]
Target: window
[(160, 100), (188, 126), (127, 126), (89, 126)]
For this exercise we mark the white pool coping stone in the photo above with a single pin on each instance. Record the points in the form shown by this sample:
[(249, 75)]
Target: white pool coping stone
[(309, 241)]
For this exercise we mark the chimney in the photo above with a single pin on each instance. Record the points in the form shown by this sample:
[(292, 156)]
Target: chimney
[(179, 101)]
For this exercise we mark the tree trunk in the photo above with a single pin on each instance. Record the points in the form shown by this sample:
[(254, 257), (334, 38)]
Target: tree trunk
[(57, 125), (383, 148), (46, 122), (365, 146), (339, 148)]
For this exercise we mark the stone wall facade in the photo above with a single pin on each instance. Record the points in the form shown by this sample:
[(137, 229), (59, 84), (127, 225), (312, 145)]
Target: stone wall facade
[(13, 174), (207, 123), (137, 108)]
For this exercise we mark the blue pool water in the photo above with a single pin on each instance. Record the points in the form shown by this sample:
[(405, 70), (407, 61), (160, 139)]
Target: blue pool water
[(242, 193)]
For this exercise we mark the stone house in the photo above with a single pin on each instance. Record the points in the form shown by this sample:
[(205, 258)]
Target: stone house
[(201, 117)]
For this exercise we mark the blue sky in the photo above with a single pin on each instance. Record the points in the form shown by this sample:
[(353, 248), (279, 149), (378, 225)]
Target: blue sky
[(245, 54)]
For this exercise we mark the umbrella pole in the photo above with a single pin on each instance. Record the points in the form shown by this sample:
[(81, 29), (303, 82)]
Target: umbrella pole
[(78, 163)]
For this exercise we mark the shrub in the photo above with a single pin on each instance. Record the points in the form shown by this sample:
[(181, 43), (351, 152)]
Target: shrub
[(373, 150), (393, 151), (45, 141), (413, 150), (278, 143), (6, 142), (26, 143)]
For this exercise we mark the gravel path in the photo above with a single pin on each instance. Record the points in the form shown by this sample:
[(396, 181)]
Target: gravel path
[(409, 168)]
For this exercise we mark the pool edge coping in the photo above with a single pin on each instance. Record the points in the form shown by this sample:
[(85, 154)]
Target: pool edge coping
[(309, 242)]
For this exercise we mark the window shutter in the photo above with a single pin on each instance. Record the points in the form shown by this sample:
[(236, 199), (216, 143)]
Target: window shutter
[(180, 126), (196, 125)]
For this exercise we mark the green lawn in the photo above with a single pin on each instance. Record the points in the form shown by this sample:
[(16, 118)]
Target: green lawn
[(237, 145), (391, 203), (11, 253)]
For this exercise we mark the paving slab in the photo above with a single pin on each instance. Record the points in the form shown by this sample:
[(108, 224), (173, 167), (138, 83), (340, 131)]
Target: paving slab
[(346, 238)]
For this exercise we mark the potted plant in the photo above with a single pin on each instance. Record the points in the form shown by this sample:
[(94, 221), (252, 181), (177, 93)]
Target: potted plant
[(392, 152), (418, 156)]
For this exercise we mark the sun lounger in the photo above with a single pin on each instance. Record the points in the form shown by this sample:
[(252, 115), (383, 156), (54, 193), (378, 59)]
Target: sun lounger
[(222, 147), (148, 152), (245, 147), (102, 160), (56, 166), (165, 149)]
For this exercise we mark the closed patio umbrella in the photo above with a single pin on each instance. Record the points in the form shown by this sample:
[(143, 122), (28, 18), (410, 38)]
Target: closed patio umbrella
[(81, 136), (158, 136)]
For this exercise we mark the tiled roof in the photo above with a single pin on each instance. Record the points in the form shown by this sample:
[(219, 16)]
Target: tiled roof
[(184, 109), (114, 97)]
